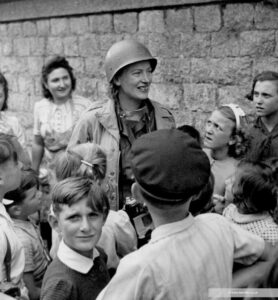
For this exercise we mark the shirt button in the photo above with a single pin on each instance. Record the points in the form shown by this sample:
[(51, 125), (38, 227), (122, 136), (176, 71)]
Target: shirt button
[(112, 173)]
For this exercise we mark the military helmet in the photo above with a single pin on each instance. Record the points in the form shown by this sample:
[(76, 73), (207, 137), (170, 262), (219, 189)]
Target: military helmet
[(124, 53)]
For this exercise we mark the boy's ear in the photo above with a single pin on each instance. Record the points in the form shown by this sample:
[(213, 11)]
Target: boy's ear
[(135, 190), (54, 223), (15, 211)]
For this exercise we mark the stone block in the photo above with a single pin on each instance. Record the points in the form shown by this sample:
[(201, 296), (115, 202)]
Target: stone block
[(79, 25), (172, 70), (195, 45), (239, 16), (88, 45), (225, 43), (43, 27), (34, 66), (106, 40), (3, 30), (266, 17), (179, 20), (19, 102), (164, 45), (263, 64), (151, 21), (78, 65), (235, 94), (25, 84), (22, 46), (54, 46), (101, 23), (37, 46), (170, 95), (207, 18), (29, 28), (6, 46), (221, 71), (14, 29), (183, 116), (71, 46), (13, 86), (126, 22), (59, 26), (257, 43), (198, 96), (94, 67)]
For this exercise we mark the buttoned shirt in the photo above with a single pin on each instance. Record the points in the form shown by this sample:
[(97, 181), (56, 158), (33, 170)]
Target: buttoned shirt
[(184, 260)]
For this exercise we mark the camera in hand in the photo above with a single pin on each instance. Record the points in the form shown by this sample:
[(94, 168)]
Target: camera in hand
[(140, 219)]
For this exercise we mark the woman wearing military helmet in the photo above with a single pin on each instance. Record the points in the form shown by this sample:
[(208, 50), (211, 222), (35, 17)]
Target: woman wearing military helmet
[(128, 114)]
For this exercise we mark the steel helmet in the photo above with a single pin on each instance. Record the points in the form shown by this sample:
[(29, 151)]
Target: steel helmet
[(124, 53)]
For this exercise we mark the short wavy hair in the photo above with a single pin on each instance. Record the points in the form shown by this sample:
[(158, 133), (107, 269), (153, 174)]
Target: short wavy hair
[(239, 148), (263, 76), (4, 83), (55, 63)]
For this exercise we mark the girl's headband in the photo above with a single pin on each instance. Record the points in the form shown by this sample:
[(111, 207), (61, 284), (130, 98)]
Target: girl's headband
[(238, 112)]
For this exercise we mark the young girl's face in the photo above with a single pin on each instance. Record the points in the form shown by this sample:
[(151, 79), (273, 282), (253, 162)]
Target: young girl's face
[(218, 132), (80, 227)]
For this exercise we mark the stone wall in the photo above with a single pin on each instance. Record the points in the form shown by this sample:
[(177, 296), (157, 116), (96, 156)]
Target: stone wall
[(208, 54)]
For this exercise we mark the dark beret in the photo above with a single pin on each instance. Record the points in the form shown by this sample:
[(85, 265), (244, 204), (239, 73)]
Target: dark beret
[(169, 165)]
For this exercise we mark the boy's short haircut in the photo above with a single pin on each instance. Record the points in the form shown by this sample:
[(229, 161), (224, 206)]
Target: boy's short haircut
[(74, 189), (169, 166), (29, 179), (263, 76), (7, 148)]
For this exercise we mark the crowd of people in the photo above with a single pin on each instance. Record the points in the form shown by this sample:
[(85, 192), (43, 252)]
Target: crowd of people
[(102, 175)]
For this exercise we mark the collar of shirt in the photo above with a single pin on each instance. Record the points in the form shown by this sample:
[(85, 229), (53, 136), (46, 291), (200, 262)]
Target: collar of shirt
[(4, 213), (169, 229), (66, 106), (74, 260), (247, 218)]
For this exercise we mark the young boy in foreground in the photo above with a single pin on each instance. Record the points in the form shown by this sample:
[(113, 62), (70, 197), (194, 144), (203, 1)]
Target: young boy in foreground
[(186, 256), (79, 271)]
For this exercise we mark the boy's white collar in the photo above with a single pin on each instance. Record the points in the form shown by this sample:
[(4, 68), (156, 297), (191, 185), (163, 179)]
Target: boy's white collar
[(74, 260)]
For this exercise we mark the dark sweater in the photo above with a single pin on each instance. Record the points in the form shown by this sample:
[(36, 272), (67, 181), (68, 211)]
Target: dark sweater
[(62, 283)]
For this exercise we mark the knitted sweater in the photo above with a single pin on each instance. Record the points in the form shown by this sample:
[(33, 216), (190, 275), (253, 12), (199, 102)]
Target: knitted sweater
[(63, 283)]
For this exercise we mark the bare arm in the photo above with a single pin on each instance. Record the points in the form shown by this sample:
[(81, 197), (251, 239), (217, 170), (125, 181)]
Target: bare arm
[(37, 152)]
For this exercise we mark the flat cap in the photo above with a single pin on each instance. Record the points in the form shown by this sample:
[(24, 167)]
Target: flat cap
[(169, 165)]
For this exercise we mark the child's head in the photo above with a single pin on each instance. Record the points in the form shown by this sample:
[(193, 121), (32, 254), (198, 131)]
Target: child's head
[(264, 94), (3, 92), (169, 167), (9, 167), (24, 201), (225, 130), (80, 208), (192, 131), (254, 188), (86, 159)]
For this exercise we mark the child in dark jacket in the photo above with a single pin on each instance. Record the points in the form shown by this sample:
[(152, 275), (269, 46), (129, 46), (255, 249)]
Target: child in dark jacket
[(79, 271)]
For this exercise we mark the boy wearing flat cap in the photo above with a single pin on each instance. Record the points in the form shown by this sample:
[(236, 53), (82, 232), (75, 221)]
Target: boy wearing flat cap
[(186, 256)]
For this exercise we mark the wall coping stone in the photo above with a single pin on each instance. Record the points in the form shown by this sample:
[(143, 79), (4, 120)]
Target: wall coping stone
[(19, 10)]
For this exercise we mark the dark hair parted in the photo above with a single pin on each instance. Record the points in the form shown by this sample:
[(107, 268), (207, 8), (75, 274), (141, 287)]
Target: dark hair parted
[(255, 189), (4, 83), (74, 189), (239, 148), (263, 76), (7, 148), (51, 65), (29, 179)]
